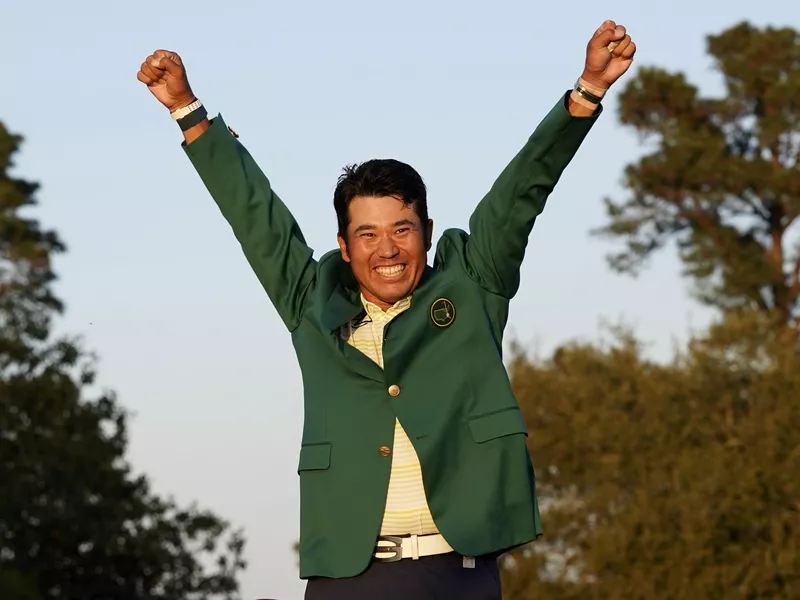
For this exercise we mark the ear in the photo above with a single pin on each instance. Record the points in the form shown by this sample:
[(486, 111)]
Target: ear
[(343, 248), (429, 235)]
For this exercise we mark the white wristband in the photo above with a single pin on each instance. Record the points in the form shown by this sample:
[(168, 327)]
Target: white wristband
[(182, 112)]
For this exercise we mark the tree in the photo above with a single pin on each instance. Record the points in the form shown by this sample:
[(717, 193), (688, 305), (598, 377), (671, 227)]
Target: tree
[(678, 480), (664, 481), (722, 179), (75, 522)]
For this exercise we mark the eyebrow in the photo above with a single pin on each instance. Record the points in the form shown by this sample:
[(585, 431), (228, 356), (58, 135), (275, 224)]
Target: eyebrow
[(367, 226)]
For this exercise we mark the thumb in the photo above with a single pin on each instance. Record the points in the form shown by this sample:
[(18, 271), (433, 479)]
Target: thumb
[(168, 64), (605, 37)]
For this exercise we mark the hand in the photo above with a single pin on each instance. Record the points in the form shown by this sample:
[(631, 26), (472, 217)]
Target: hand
[(165, 77), (604, 67)]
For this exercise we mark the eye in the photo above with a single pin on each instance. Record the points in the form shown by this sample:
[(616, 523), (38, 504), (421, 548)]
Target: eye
[(367, 234), (402, 230)]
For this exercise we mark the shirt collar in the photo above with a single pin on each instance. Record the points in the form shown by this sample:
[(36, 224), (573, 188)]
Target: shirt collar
[(374, 311)]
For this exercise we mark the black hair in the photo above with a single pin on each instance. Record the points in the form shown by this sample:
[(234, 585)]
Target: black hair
[(379, 177)]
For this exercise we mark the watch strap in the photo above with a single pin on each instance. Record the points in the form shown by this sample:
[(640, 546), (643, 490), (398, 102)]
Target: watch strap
[(589, 92), (183, 112), (193, 118)]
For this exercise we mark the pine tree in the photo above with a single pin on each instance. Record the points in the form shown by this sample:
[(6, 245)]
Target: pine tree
[(723, 178)]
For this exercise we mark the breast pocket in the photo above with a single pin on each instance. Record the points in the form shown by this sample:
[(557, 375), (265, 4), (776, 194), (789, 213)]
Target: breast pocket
[(501, 423)]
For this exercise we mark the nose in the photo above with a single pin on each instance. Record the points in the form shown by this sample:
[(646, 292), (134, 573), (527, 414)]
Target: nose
[(387, 248)]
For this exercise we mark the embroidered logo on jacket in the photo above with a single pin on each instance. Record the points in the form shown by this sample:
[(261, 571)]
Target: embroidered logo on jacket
[(443, 313)]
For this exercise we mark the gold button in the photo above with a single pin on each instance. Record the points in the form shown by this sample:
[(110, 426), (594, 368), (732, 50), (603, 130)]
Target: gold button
[(394, 390), (385, 451)]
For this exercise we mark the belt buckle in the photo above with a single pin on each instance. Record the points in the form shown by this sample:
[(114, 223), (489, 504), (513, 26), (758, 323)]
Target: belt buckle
[(396, 549)]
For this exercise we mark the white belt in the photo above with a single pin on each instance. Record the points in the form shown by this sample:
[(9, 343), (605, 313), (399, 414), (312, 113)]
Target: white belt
[(393, 548)]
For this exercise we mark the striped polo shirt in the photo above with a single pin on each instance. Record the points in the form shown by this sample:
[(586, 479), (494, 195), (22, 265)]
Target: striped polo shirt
[(407, 509)]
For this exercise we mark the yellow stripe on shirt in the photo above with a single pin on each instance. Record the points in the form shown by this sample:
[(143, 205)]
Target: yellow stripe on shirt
[(407, 509)]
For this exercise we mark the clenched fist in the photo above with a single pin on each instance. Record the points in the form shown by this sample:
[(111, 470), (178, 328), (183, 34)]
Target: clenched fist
[(165, 77), (608, 55)]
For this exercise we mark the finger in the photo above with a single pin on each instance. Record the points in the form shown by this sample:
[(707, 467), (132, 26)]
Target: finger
[(174, 56), (603, 39), (620, 47), (608, 24), (155, 64), (159, 54), (154, 60), (629, 51), (152, 73), (144, 78), (169, 65), (608, 37)]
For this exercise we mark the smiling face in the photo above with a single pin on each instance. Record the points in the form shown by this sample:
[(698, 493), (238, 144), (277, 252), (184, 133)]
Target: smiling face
[(386, 247)]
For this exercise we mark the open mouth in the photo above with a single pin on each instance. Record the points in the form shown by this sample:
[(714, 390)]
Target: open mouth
[(393, 272)]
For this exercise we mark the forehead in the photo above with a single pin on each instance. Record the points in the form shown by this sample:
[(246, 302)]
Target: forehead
[(380, 210)]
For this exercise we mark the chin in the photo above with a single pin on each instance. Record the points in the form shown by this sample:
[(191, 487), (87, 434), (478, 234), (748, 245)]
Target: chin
[(394, 294)]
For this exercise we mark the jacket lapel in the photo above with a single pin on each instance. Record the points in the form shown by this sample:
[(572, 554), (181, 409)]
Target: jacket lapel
[(339, 302)]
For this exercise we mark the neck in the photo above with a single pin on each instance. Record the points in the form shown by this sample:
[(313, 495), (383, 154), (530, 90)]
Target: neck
[(382, 304)]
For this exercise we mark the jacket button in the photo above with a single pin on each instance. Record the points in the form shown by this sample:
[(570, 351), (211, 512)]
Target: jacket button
[(385, 451), (394, 390)]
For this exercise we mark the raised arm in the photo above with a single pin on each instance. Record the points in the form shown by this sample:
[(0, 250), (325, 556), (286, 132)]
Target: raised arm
[(268, 233), (503, 220)]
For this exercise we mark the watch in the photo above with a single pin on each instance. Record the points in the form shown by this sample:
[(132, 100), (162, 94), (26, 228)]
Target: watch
[(182, 112), (586, 94)]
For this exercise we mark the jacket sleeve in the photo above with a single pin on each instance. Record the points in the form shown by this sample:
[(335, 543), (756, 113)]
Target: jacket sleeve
[(501, 223), (270, 237)]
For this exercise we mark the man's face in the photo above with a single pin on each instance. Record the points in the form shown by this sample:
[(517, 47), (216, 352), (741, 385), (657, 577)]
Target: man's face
[(387, 248)]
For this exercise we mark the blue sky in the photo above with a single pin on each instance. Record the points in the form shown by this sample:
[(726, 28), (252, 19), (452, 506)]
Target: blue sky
[(154, 279)]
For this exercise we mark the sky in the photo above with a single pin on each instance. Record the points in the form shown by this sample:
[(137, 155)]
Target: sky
[(154, 280)]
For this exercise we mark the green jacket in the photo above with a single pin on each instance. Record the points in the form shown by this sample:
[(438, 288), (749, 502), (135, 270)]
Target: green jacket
[(455, 400)]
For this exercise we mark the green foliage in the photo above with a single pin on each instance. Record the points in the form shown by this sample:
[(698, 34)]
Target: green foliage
[(75, 522), (722, 179), (679, 480), (665, 481), (16, 586), (27, 301)]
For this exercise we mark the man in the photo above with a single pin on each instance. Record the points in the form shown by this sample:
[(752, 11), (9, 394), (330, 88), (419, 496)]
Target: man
[(414, 470)]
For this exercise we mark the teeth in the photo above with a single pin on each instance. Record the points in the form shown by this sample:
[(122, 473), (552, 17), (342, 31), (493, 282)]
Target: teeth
[(390, 271)]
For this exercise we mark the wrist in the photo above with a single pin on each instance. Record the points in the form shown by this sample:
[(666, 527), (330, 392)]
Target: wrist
[(579, 106), (586, 96), (182, 102), (190, 115), (594, 83)]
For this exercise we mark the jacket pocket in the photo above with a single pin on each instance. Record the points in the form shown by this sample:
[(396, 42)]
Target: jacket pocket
[(506, 421), (314, 457)]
